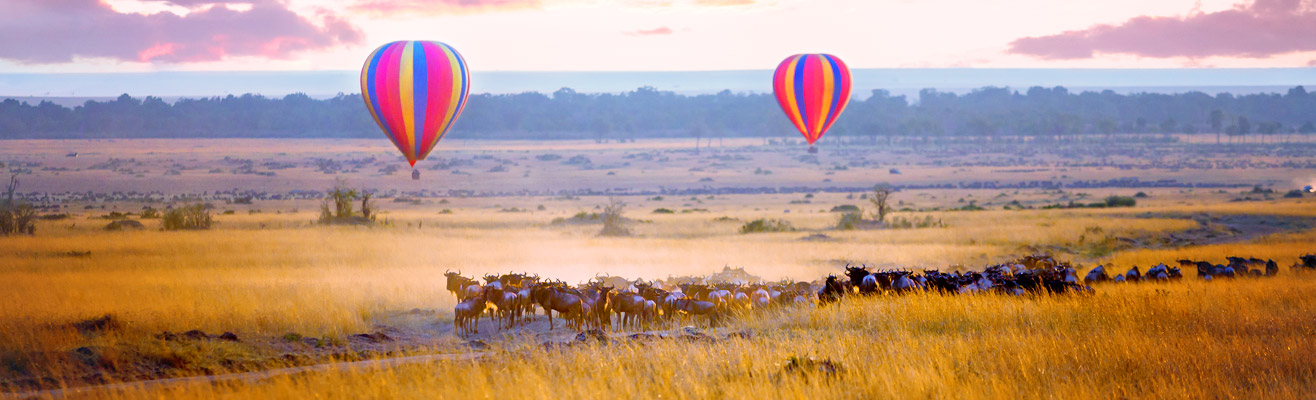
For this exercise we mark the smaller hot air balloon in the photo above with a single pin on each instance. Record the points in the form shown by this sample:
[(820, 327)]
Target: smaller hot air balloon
[(415, 90), (812, 90)]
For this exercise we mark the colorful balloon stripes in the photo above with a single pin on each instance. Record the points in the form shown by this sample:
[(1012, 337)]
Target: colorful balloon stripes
[(812, 90), (415, 90)]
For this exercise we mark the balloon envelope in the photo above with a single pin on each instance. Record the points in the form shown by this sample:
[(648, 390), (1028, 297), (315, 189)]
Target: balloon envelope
[(812, 90), (415, 90)]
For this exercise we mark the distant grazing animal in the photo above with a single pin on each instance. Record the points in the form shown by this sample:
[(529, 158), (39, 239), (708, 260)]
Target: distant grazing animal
[(1133, 275)]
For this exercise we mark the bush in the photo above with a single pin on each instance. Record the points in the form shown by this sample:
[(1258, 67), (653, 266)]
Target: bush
[(846, 208), (191, 217), (149, 213), (1121, 201), (1293, 194), (849, 220), (614, 224), (908, 223), (766, 225), (663, 211)]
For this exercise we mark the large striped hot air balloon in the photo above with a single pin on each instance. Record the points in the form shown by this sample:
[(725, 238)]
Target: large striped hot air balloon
[(812, 90), (415, 90)]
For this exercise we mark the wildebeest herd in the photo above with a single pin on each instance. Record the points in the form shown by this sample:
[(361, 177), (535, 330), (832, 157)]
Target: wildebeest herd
[(608, 302)]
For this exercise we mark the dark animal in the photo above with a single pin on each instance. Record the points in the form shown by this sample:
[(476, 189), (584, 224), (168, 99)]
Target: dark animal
[(832, 290)]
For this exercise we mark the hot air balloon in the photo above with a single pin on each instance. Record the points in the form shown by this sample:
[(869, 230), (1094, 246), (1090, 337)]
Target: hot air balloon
[(415, 90), (812, 90)]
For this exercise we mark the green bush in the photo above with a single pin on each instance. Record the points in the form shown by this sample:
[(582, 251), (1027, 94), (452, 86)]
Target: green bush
[(1121, 201), (766, 225), (191, 217), (663, 211), (849, 220), (1293, 194), (846, 208)]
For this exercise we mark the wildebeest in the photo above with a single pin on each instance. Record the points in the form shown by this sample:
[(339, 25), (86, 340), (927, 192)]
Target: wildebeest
[(1096, 275), (1306, 261), (863, 280), (466, 315), (1160, 272), (698, 308), (555, 297), (1133, 275), (832, 290)]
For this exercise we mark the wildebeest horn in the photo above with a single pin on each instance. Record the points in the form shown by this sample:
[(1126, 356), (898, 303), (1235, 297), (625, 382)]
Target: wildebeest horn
[(447, 271)]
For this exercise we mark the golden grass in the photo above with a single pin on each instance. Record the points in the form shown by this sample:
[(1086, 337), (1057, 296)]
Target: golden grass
[(1247, 338), (263, 275)]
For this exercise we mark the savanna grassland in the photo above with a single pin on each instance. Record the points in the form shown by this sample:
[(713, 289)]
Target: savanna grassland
[(295, 292)]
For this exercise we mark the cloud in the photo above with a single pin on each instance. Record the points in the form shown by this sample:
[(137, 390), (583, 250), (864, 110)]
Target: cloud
[(1258, 30), (662, 30), (438, 7), (723, 3), (1311, 63), (56, 31)]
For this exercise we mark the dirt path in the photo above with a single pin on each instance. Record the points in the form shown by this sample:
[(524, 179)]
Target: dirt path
[(245, 376), (1225, 228)]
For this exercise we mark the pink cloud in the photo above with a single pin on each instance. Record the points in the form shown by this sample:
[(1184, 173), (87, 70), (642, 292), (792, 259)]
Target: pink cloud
[(56, 31), (723, 3), (1311, 63), (662, 30), (1258, 30), (437, 7)]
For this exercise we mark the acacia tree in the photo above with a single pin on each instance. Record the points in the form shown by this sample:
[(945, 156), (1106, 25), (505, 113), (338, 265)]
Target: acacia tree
[(879, 199)]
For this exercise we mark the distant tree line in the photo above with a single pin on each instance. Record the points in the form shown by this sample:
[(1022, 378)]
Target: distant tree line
[(646, 112)]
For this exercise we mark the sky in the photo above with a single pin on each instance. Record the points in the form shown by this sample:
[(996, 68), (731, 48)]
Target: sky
[(62, 36)]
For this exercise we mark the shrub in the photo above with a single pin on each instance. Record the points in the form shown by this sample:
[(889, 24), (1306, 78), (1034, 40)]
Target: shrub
[(846, 208), (849, 220), (1121, 201), (766, 225), (914, 222), (663, 211), (1293, 194), (190, 217), (614, 224), (149, 213)]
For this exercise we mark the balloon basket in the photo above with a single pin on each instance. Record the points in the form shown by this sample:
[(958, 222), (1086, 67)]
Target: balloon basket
[(415, 174), (813, 150)]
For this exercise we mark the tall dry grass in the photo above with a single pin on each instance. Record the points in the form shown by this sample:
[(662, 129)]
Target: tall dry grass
[(1245, 339), (264, 275)]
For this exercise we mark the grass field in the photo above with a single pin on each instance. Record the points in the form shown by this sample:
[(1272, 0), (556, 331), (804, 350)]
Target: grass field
[(266, 271)]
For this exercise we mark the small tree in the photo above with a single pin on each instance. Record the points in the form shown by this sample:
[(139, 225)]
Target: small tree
[(367, 206), (16, 218), (337, 207), (614, 224), (191, 217), (879, 199)]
